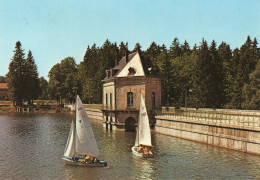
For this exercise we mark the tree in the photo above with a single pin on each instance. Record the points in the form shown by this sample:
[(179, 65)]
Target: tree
[(149, 60), (167, 78), (185, 48), (2, 79), (202, 77), (137, 48), (43, 84), (32, 79), (16, 77), (62, 80), (175, 49), (216, 72), (245, 60), (183, 68), (225, 57), (251, 91), (249, 56), (235, 82), (122, 49)]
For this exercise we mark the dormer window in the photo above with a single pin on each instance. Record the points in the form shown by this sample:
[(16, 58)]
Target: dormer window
[(131, 71)]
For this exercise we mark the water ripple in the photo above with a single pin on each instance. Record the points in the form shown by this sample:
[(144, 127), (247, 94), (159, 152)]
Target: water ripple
[(31, 147)]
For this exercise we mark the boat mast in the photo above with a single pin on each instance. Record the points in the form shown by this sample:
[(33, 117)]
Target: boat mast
[(138, 130), (139, 118)]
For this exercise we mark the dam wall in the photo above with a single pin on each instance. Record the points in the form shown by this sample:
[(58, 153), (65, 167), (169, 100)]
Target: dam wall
[(245, 137)]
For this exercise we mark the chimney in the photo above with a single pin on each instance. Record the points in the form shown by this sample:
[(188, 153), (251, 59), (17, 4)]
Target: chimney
[(126, 56)]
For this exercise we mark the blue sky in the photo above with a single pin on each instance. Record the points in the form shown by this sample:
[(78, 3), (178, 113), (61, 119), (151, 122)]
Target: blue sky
[(55, 29)]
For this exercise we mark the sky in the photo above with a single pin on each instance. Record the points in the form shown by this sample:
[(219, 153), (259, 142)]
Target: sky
[(56, 29)]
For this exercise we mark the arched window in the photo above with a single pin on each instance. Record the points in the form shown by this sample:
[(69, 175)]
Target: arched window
[(130, 99)]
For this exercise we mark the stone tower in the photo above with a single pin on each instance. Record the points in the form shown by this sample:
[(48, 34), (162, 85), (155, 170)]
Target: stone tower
[(122, 89)]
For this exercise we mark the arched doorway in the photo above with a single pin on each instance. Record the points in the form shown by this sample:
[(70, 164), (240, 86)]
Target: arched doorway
[(130, 124)]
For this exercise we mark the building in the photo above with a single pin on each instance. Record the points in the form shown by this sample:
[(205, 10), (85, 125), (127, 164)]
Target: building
[(3, 92), (122, 88)]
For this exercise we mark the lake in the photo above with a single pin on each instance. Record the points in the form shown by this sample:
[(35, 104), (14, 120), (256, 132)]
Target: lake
[(32, 145)]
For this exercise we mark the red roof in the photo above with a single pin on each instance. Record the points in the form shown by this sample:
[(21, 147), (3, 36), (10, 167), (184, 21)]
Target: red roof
[(3, 86)]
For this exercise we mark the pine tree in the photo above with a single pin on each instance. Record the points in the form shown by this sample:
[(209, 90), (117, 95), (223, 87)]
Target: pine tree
[(235, 82), (216, 74), (251, 91), (202, 89), (167, 78), (150, 64), (16, 77), (175, 49), (183, 68), (137, 48), (245, 60), (32, 79), (185, 48), (122, 49), (225, 57)]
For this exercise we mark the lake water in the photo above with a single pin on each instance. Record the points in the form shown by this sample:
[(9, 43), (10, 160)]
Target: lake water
[(31, 147)]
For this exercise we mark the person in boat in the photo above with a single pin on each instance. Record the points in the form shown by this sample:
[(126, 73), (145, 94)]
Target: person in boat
[(74, 158), (140, 148), (85, 159), (95, 160), (146, 150)]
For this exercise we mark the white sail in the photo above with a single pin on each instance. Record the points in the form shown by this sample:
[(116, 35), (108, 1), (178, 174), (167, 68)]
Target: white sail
[(143, 135), (85, 139), (70, 147)]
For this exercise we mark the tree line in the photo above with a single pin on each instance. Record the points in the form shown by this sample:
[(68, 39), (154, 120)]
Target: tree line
[(207, 75)]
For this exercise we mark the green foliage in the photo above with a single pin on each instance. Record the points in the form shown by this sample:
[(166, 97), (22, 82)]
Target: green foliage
[(206, 76), (202, 77), (2, 79), (22, 78), (32, 80), (43, 84), (167, 78), (251, 91), (63, 80), (16, 77), (243, 64)]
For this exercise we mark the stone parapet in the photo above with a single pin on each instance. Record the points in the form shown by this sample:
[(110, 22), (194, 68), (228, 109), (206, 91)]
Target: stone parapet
[(236, 137)]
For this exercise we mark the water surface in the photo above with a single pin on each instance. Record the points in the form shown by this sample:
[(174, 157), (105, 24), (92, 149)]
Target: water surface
[(31, 147)]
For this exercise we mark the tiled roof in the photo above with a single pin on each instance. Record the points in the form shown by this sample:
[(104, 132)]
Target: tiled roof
[(122, 63), (3, 86)]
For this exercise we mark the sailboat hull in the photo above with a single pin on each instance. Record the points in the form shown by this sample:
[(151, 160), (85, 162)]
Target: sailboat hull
[(135, 152), (70, 161)]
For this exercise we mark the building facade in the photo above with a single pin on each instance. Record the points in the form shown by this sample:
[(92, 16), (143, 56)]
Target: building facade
[(3, 92), (122, 90)]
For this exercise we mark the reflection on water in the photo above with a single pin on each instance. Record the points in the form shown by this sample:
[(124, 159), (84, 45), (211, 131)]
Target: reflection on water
[(31, 147)]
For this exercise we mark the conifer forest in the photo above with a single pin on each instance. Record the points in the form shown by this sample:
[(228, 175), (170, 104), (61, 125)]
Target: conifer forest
[(207, 74)]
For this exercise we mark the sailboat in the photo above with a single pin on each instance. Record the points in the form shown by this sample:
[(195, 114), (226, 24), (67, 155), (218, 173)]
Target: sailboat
[(81, 141), (143, 143)]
